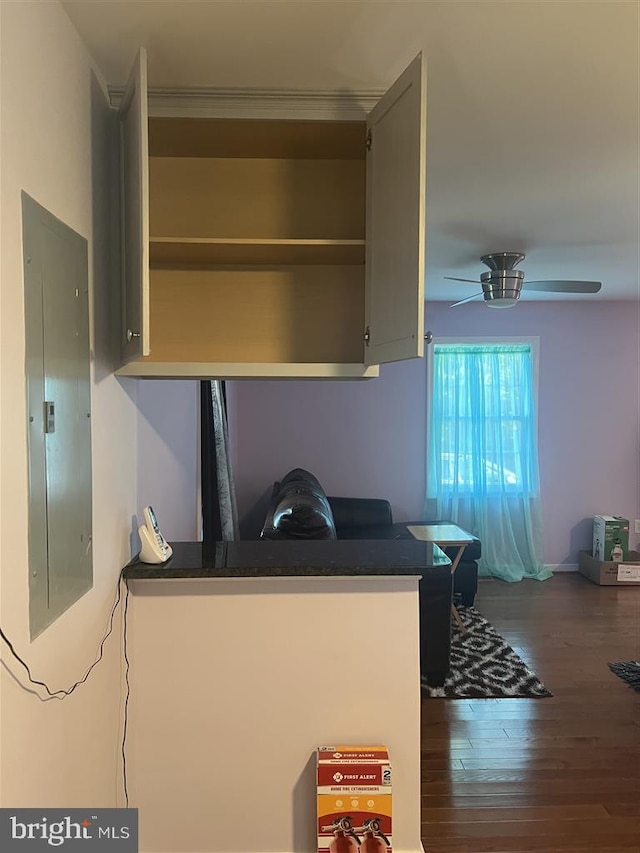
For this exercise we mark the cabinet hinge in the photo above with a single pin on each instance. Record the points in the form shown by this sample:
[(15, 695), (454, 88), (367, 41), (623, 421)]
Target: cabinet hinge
[(367, 336), (49, 416), (368, 141)]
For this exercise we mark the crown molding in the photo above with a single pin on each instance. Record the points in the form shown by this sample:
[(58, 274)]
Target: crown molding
[(256, 103)]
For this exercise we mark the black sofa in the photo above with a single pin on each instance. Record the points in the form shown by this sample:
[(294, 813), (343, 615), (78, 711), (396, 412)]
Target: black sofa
[(367, 518), (300, 509)]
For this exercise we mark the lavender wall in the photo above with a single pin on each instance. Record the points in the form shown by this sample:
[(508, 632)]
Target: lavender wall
[(360, 438), (168, 455), (367, 438)]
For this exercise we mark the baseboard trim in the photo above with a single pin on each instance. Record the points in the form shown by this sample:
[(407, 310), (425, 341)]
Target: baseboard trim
[(557, 568), (419, 849)]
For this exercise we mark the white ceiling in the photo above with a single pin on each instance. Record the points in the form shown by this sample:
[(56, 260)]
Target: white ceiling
[(532, 109)]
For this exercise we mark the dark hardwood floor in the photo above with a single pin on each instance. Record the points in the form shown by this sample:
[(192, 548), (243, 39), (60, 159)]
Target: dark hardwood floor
[(555, 774)]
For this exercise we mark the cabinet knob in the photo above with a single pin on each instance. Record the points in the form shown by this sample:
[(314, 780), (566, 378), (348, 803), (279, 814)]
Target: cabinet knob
[(131, 335)]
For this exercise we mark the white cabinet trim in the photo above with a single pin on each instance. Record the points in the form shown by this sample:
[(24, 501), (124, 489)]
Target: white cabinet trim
[(248, 370), (210, 102)]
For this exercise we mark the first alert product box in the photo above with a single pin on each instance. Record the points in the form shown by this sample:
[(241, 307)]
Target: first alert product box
[(354, 799), (610, 573)]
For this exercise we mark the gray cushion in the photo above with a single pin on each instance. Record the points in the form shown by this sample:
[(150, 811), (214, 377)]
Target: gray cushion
[(300, 509)]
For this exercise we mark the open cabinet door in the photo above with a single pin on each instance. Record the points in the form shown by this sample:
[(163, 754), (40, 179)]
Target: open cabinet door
[(134, 213), (396, 177)]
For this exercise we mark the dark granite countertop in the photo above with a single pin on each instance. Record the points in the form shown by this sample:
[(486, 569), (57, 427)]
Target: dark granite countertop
[(292, 558)]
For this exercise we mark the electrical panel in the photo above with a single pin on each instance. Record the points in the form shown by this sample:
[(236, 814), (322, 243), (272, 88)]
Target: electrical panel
[(58, 414)]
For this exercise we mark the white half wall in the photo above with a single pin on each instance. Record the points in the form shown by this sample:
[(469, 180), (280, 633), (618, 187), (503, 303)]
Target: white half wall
[(53, 110), (236, 681)]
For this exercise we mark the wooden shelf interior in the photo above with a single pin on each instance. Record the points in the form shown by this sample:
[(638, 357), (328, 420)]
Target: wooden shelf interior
[(289, 314), (300, 140), (257, 198), (257, 253), (179, 252)]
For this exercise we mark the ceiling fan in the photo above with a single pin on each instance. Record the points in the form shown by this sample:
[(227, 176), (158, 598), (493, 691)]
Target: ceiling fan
[(502, 285)]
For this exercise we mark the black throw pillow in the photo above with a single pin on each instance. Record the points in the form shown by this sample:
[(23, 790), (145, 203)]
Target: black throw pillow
[(302, 510)]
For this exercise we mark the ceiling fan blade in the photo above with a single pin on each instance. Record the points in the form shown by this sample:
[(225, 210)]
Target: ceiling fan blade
[(470, 280), (468, 299), (563, 286)]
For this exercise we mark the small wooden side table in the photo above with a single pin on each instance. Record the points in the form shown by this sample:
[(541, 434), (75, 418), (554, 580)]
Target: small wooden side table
[(445, 535)]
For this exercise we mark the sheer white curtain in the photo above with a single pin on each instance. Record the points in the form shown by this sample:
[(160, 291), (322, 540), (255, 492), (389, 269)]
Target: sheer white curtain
[(482, 469)]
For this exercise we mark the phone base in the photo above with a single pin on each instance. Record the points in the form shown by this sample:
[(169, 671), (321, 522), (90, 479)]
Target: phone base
[(151, 551)]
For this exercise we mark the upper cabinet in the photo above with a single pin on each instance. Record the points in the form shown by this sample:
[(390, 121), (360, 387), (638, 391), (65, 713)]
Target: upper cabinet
[(396, 180), (272, 248)]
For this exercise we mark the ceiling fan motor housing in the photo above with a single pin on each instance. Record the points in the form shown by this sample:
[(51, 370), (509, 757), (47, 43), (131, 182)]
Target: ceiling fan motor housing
[(501, 288)]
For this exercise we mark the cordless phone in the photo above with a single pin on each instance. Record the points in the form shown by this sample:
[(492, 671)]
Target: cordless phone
[(155, 548)]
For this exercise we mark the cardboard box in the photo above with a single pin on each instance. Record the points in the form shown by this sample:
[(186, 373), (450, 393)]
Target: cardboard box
[(609, 532), (353, 799), (610, 573)]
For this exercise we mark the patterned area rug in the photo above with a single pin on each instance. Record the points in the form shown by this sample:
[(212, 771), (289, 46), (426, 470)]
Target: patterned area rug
[(628, 671), (484, 666)]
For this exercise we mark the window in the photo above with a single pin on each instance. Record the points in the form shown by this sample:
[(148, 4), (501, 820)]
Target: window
[(483, 433)]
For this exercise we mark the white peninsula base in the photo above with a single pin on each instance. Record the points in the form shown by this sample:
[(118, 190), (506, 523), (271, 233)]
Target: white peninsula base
[(236, 681)]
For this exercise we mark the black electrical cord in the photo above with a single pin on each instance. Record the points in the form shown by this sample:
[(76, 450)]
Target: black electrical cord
[(63, 693)]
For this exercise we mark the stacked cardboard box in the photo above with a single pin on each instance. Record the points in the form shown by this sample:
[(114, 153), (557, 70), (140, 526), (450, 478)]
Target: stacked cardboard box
[(610, 538), (610, 573)]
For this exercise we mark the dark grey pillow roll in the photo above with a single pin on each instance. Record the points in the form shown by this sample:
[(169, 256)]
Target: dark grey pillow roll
[(302, 510)]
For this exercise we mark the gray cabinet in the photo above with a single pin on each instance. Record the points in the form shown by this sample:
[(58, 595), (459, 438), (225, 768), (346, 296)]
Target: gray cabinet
[(272, 248)]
